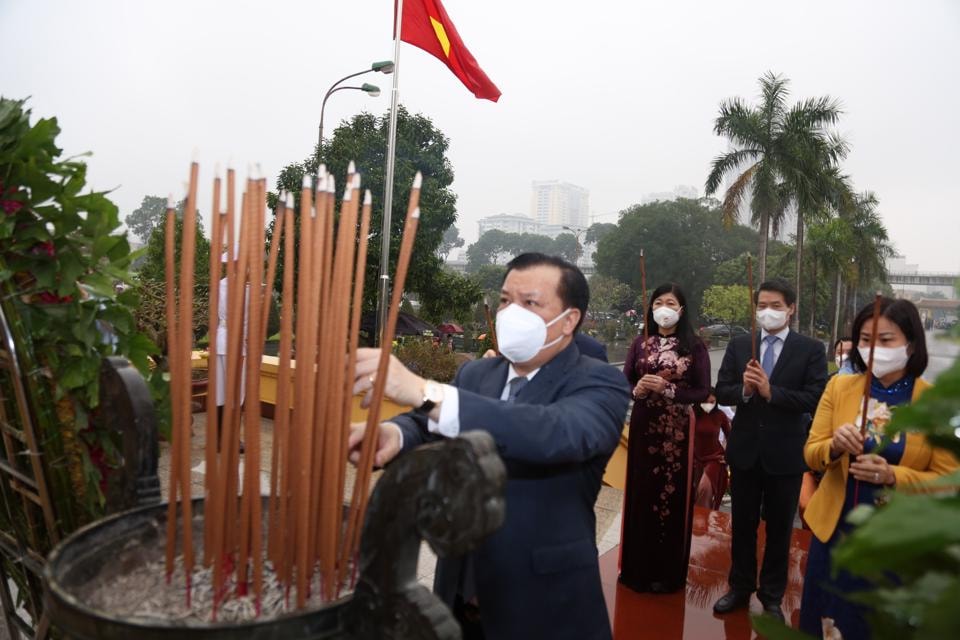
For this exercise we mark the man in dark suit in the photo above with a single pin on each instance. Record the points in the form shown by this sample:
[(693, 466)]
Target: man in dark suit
[(590, 346), (775, 397), (556, 417)]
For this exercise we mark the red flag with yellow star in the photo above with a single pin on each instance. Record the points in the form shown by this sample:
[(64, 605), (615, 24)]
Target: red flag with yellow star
[(425, 24)]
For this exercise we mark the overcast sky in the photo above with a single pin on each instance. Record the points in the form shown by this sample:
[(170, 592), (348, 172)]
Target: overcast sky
[(615, 96)]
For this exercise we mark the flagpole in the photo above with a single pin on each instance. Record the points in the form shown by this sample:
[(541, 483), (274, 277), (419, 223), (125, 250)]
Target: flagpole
[(384, 292)]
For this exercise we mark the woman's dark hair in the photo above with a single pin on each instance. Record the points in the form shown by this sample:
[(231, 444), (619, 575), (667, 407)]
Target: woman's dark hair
[(904, 314), (685, 335)]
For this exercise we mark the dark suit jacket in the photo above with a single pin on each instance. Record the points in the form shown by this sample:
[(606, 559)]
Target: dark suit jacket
[(773, 433), (538, 575), (590, 346)]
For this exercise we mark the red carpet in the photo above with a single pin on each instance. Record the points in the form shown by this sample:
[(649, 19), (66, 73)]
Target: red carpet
[(690, 615)]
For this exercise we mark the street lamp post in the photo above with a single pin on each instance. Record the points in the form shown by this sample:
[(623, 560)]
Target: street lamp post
[(576, 234), (385, 66)]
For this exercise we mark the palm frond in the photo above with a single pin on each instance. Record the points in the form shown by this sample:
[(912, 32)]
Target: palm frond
[(730, 212), (724, 164)]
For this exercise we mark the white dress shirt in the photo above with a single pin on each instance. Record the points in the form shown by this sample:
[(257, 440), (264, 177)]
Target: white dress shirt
[(448, 423)]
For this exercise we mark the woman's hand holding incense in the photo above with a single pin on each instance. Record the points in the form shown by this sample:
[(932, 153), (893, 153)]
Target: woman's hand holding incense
[(846, 439)]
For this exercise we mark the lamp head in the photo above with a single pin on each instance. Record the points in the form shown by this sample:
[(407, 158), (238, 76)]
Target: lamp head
[(371, 90), (384, 66)]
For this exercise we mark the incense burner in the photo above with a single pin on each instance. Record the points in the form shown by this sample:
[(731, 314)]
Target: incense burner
[(449, 494)]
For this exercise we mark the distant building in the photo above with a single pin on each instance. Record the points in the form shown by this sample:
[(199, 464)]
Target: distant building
[(560, 203), (898, 264), (508, 223), (680, 191)]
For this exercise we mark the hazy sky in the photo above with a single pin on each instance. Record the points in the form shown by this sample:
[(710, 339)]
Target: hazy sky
[(616, 96)]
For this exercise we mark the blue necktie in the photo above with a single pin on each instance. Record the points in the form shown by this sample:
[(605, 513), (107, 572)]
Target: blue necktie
[(515, 385), (769, 358)]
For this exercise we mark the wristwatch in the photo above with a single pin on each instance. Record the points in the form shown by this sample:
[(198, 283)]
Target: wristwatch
[(432, 396)]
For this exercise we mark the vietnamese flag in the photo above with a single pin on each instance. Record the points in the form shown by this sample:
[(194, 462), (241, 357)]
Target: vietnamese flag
[(425, 24)]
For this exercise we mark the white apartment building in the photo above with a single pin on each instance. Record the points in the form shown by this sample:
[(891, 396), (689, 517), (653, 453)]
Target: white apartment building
[(560, 203)]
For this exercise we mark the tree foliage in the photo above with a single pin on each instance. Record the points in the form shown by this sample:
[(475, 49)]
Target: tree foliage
[(683, 241), (609, 294), (728, 304), (151, 213), (451, 240), (420, 147), (151, 313), (455, 298), (496, 246), (598, 231)]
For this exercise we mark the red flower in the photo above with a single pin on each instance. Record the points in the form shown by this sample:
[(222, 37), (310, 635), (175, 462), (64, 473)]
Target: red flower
[(49, 297), (10, 207)]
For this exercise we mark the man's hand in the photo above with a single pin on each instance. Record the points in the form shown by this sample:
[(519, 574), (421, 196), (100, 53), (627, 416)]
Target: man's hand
[(756, 377), (402, 385), (388, 442), (846, 439)]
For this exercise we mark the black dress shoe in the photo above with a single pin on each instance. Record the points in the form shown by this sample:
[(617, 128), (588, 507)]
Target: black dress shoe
[(731, 601), (773, 610)]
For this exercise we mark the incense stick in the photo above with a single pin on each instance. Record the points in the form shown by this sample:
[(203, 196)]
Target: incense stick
[(188, 251), (172, 340), (491, 328), (646, 311), (365, 466), (753, 310), (868, 374), (210, 447)]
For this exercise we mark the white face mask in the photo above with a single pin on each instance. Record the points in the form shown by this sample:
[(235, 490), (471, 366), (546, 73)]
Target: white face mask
[(771, 319), (885, 359), (666, 317), (840, 360), (707, 406), (521, 333)]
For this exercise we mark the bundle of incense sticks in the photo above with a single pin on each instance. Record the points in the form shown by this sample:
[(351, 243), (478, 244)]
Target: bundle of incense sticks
[(310, 544)]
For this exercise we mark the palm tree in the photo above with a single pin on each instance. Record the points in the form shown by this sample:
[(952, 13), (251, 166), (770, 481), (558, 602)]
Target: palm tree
[(853, 246), (779, 157)]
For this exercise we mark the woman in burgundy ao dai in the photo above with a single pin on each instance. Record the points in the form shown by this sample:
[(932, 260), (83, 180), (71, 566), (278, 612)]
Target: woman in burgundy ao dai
[(669, 371)]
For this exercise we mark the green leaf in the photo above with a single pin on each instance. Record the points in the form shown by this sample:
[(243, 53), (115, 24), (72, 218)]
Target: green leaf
[(908, 527)]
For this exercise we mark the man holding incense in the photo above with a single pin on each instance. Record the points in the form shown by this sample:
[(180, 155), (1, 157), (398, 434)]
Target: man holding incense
[(556, 417), (775, 397)]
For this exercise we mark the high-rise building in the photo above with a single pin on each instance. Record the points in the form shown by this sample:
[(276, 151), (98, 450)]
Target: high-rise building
[(560, 203)]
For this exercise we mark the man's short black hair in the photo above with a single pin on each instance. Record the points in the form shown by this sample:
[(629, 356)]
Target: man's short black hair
[(904, 314), (777, 285), (573, 289)]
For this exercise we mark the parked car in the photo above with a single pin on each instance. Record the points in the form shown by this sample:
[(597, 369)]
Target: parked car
[(722, 331)]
